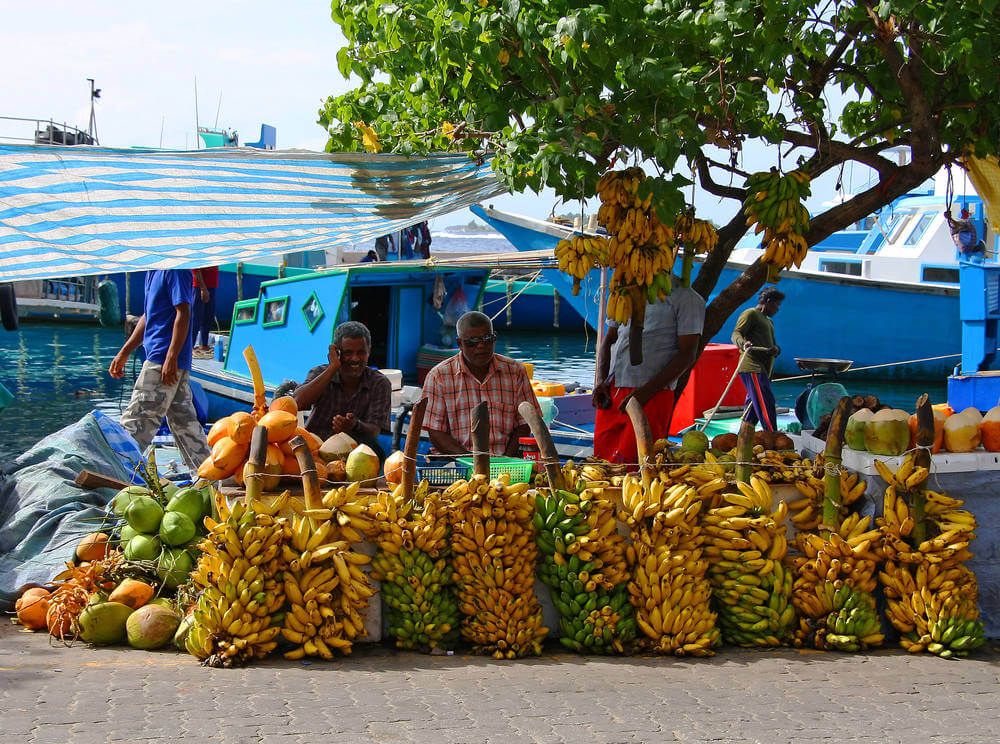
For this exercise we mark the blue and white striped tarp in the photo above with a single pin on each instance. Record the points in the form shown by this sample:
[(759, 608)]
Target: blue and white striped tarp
[(82, 210)]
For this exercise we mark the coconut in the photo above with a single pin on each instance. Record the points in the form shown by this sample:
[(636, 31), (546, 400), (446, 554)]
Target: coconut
[(174, 566), (989, 430), (337, 447), (961, 432), (362, 464), (151, 626), (854, 434), (724, 442), (394, 468), (142, 548), (125, 497), (695, 441), (103, 623), (189, 502), (144, 514), (176, 528), (887, 432), (974, 413)]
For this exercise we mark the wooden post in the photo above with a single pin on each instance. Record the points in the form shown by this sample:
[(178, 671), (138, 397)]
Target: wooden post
[(832, 498), (922, 458), (744, 452), (307, 466), (481, 439), (409, 478), (547, 448), (643, 439), (254, 468)]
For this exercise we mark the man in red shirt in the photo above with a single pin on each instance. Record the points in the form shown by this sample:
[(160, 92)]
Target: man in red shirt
[(205, 281), (477, 373)]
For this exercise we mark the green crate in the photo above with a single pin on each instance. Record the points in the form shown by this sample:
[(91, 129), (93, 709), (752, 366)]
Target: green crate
[(518, 469)]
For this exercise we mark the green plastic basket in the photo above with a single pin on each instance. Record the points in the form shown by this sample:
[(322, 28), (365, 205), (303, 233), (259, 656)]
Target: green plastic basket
[(518, 469)]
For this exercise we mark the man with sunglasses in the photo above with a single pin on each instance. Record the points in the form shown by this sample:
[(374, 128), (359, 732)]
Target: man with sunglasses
[(670, 339), (477, 373)]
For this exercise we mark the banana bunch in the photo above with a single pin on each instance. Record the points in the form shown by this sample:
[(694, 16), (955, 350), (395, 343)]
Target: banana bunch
[(620, 189), (807, 511), (494, 561), (326, 589), (581, 253), (237, 616), (773, 466), (583, 564), (669, 589), (699, 235), (774, 205), (854, 623), (931, 595), (590, 474), (746, 547), (848, 556), (416, 578)]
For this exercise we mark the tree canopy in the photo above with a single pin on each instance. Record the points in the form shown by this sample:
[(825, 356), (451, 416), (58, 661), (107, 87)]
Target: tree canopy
[(554, 92)]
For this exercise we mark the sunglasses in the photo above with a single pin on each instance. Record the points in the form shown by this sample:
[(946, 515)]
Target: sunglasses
[(486, 340)]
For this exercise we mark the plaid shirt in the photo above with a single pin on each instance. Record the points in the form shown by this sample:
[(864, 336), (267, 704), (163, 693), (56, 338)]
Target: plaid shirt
[(371, 403), (453, 392)]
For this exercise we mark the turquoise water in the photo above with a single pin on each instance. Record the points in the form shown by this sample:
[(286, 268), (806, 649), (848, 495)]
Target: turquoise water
[(58, 373)]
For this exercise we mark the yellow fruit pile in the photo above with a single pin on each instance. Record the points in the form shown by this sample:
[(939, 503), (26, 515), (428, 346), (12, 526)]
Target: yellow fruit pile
[(326, 589), (669, 589), (412, 564), (494, 561), (237, 613), (746, 547), (931, 595), (774, 205)]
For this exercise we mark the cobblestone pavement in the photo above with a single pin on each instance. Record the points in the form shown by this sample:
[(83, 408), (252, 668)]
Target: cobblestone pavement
[(54, 694)]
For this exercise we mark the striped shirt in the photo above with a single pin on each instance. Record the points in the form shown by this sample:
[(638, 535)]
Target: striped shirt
[(453, 392), (371, 403)]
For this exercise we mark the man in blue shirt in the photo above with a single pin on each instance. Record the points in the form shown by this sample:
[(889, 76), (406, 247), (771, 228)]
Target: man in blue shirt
[(163, 387)]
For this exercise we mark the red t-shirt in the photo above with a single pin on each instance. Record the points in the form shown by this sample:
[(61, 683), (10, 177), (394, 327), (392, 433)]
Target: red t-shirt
[(209, 275)]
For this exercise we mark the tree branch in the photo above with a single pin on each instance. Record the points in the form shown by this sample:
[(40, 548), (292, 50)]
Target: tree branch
[(709, 184)]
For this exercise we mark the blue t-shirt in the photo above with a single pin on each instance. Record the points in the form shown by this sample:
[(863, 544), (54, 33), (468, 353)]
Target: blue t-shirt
[(165, 289)]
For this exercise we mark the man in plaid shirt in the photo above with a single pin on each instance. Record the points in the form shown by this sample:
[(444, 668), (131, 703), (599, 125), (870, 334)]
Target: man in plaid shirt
[(457, 385)]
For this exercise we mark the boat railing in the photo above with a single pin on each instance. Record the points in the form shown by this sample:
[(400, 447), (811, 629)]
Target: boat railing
[(70, 289), (42, 132)]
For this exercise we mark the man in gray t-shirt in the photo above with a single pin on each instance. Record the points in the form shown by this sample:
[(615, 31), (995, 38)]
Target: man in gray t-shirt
[(670, 339)]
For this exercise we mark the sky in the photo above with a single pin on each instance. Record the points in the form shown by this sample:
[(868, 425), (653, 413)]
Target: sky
[(270, 62)]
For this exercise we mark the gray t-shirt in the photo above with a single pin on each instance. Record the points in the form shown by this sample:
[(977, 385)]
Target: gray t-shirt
[(681, 314)]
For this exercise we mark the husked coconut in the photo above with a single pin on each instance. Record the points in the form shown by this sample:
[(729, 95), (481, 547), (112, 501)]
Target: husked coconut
[(854, 433), (887, 432), (362, 464), (961, 432), (989, 430), (337, 447)]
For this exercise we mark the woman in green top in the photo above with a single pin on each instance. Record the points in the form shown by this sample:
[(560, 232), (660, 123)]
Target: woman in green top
[(754, 334)]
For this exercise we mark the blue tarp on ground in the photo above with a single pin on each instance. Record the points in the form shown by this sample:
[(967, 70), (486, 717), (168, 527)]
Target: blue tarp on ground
[(43, 513)]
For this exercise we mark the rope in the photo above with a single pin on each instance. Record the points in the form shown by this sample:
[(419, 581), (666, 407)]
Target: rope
[(873, 366), (518, 294)]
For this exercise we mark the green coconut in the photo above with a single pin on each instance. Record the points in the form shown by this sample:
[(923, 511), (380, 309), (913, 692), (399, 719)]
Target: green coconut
[(362, 464), (123, 498), (694, 440), (887, 432), (151, 626), (854, 434), (176, 528), (144, 514), (103, 623), (142, 548), (174, 566), (126, 533), (189, 502)]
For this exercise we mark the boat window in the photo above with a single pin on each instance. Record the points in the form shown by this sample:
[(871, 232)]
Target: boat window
[(851, 268), (896, 225), (939, 274), (920, 228)]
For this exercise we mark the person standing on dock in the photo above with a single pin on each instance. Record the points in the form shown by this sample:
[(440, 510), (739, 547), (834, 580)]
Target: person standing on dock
[(456, 386), (206, 282), (754, 335), (670, 339), (163, 386)]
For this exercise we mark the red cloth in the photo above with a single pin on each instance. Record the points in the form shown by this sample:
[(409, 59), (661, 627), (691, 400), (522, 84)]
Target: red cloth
[(614, 438), (209, 274)]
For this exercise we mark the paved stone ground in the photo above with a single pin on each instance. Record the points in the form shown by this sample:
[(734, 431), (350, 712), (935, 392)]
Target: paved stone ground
[(54, 694)]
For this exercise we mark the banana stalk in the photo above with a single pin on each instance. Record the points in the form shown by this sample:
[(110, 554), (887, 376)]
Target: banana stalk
[(643, 439), (922, 458), (687, 264), (307, 466), (744, 449), (409, 477), (259, 396), (255, 465), (832, 456)]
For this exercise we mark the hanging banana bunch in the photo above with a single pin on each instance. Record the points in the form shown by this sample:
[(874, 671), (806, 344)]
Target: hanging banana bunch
[(805, 512), (583, 564), (931, 595), (579, 254), (773, 206), (412, 565), (746, 547), (669, 588), (494, 561), (238, 615)]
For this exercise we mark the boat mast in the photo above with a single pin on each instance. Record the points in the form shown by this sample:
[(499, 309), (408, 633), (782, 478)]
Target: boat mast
[(95, 93)]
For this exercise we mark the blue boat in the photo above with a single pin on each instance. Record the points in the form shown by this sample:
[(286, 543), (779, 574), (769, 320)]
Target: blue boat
[(857, 295)]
